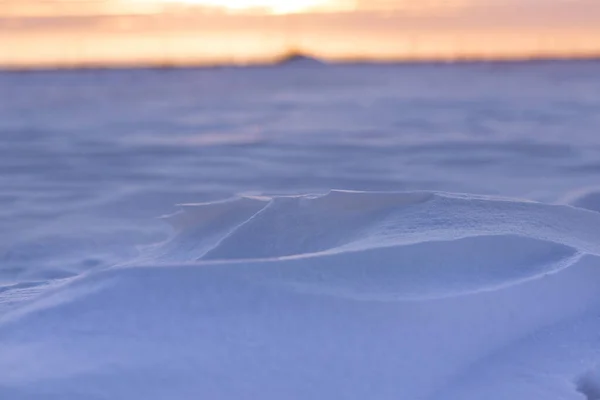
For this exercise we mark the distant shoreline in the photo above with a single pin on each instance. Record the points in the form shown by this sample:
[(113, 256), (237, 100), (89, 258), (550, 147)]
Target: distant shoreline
[(288, 61)]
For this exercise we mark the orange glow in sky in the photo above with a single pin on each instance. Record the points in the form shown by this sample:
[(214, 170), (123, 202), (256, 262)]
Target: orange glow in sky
[(266, 6), (166, 32)]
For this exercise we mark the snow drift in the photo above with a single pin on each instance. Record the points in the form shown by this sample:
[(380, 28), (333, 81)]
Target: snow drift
[(347, 295)]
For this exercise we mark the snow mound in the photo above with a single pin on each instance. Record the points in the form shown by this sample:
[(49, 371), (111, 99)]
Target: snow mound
[(205, 331), (347, 295)]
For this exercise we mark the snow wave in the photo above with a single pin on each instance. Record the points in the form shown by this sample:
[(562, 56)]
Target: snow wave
[(383, 245), (347, 295), (247, 228)]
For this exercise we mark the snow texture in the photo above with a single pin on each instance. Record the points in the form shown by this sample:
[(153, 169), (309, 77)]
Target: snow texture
[(458, 260)]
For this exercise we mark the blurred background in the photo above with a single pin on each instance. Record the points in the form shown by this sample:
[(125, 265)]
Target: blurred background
[(90, 157), (182, 32)]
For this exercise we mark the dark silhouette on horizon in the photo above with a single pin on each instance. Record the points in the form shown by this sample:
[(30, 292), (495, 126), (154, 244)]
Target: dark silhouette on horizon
[(297, 57)]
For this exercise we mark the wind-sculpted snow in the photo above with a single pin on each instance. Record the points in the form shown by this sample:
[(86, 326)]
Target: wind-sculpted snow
[(343, 221), (349, 295), (417, 271), (385, 245)]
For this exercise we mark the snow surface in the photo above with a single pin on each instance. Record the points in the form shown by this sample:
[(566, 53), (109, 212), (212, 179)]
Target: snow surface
[(361, 232)]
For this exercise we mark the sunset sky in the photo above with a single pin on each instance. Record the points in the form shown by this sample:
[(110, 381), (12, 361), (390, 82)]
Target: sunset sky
[(75, 32)]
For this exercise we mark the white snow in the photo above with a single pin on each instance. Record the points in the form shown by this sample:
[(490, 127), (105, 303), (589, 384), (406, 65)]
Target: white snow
[(416, 232)]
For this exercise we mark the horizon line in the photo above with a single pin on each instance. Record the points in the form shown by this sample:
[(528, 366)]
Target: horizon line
[(287, 59)]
